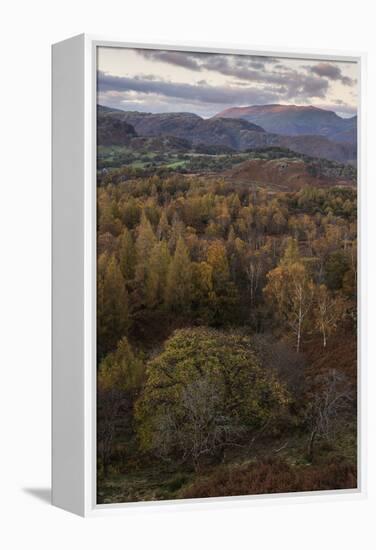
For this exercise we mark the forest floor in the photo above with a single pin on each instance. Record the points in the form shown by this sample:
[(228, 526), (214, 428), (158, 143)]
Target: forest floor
[(158, 480)]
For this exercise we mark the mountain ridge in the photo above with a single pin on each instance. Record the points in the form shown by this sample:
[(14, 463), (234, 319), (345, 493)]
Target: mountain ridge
[(233, 133), (294, 120)]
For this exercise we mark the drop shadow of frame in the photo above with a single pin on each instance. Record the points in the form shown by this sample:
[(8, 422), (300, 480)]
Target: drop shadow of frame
[(41, 493)]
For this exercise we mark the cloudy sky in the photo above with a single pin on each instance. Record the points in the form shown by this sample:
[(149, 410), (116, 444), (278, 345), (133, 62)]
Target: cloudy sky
[(166, 81)]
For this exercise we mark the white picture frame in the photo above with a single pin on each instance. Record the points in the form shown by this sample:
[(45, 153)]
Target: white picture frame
[(74, 279)]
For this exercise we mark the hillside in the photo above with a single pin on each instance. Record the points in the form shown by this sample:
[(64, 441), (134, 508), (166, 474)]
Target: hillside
[(230, 133), (236, 134), (295, 120), (320, 147), (286, 174), (114, 131)]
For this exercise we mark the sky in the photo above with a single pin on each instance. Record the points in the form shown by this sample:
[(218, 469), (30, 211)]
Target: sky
[(159, 81)]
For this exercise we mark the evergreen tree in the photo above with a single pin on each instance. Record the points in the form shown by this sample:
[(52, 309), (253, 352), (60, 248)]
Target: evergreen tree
[(177, 231), (163, 229), (120, 376), (217, 259), (291, 254), (224, 299), (179, 280), (144, 245), (157, 271), (112, 304), (127, 255), (203, 294)]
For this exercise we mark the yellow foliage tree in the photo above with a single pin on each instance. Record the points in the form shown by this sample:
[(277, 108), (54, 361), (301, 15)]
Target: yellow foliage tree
[(290, 291)]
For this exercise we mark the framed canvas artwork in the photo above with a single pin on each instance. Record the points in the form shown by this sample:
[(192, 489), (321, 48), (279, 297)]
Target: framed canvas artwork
[(206, 310)]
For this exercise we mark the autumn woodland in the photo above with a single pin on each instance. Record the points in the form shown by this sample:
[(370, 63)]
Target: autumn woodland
[(226, 308)]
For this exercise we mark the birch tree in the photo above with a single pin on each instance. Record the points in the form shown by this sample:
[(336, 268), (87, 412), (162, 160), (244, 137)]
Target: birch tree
[(290, 291), (328, 402), (329, 310)]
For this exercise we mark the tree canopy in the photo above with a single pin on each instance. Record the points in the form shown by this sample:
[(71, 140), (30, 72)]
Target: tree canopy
[(204, 391)]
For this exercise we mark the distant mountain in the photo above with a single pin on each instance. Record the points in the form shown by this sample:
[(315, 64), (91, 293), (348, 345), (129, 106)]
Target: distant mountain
[(236, 134), (226, 133), (292, 120)]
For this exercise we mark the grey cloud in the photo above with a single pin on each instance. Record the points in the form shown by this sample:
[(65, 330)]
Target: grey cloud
[(331, 71), (298, 84), (198, 61), (171, 57), (305, 86), (248, 68), (223, 95), (328, 70)]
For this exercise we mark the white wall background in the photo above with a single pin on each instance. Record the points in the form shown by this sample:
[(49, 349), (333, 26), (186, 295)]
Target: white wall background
[(27, 30)]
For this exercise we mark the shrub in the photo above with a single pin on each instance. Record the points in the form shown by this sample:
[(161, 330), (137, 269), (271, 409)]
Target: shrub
[(272, 476)]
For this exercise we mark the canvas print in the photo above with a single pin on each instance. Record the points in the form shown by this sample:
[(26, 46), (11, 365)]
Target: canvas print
[(226, 275)]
